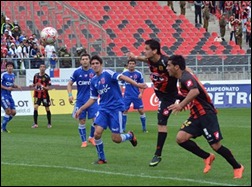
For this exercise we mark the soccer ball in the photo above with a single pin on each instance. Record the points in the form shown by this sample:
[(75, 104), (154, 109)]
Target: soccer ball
[(49, 35)]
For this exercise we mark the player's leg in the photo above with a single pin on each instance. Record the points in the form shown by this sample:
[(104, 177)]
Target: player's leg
[(214, 137), (91, 115), (82, 123), (47, 104), (193, 128), (163, 115), (101, 122), (138, 104), (127, 102), (5, 103), (115, 125), (37, 103)]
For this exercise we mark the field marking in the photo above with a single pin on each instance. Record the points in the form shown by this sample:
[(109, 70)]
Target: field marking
[(122, 174)]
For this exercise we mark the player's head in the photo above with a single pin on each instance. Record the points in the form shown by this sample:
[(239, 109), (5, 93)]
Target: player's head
[(85, 60), (96, 63), (131, 65), (42, 68), (152, 47), (175, 64), (10, 64)]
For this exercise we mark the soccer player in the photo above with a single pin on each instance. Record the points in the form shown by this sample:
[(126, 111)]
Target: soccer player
[(203, 118), (7, 102), (133, 94), (41, 85), (111, 106), (165, 88), (82, 77)]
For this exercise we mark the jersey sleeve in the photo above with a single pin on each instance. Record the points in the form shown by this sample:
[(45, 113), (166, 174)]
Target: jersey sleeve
[(189, 81), (93, 91), (73, 77)]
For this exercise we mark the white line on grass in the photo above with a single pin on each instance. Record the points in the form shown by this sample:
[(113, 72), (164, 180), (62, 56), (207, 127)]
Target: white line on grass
[(122, 174)]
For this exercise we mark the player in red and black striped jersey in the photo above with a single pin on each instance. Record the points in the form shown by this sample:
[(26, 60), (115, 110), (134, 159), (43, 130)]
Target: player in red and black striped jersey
[(41, 84), (165, 88), (203, 118)]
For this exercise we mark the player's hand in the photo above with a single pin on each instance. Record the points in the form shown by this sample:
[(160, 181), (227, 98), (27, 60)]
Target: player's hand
[(77, 114), (70, 99), (9, 88), (20, 88), (130, 56), (175, 108)]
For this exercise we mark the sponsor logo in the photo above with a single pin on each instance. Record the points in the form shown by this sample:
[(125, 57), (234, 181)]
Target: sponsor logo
[(154, 101)]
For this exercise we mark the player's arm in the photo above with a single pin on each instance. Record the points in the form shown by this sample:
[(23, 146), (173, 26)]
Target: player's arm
[(6, 88), (84, 107), (176, 107), (134, 83), (69, 91), (17, 86), (134, 57)]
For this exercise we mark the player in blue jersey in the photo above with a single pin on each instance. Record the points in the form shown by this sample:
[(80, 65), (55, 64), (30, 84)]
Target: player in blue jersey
[(133, 94), (7, 102), (82, 77), (111, 106)]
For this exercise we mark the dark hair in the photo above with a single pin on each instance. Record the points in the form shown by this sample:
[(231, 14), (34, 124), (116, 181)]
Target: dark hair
[(96, 57), (9, 63), (130, 60), (85, 54), (154, 45), (178, 60)]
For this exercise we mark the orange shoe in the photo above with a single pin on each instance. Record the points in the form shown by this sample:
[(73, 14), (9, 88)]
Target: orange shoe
[(208, 161), (91, 140), (84, 144), (238, 172)]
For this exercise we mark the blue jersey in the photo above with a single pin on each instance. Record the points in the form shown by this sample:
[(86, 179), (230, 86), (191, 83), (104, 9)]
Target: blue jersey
[(106, 86), (130, 90), (8, 81), (82, 78)]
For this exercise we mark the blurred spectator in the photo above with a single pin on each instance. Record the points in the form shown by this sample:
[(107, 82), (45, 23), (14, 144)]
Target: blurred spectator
[(37, 60), (228, 6), (53, 60), (66, 61), (14, 56), (26, 53), (49, 48), (79, 52), (35, 40), (6, 22), (248, 32), (222, 25), (15, 24), (170, 4), (182, 7), (238, 34), (16, 33), (206, 17), (198, 7)]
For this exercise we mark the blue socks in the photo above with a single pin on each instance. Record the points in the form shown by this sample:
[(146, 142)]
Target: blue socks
[(143, 121), (82, 132), (99, 149)]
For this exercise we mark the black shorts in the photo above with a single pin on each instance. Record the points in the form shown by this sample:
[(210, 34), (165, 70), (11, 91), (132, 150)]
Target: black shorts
[(206, 125), (46, 101), (165, 100)]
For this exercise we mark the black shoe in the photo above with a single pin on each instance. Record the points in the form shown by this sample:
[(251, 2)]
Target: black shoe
[(100, 161), (155, 160), (134, 140)]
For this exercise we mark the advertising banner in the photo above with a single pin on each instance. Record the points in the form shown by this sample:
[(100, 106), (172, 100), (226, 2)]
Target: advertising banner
[(222, 95)]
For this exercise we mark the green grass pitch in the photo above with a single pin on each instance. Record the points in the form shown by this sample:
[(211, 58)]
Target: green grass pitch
[(53, 157)]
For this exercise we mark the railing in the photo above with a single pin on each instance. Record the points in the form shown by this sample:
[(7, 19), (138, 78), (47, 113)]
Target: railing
[(228, 67)]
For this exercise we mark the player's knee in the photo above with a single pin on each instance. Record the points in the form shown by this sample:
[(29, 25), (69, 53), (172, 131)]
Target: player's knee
[(180, 138), (116, 138)]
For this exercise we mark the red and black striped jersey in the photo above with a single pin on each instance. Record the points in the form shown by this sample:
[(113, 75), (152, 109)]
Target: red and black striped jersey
[(160, 77), (200, 105), (44, 80)]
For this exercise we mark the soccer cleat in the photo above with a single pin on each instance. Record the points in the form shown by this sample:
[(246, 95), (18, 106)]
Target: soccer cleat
[(134, 139), (84, 144), (34, 126), (100, 161), (238, 172), (92, 141), (208, 161), (145, 131), (155, 160), (5, 130), (49, 126)]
